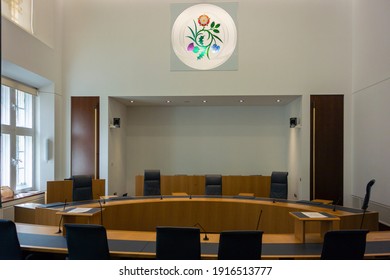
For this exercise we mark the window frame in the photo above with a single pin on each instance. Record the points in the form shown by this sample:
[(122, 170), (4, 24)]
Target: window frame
[(14, 131)]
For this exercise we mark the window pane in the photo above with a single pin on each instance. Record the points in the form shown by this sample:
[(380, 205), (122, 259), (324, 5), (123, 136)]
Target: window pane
[(24, 162), (23, 109), (5, 160), (5, 105)]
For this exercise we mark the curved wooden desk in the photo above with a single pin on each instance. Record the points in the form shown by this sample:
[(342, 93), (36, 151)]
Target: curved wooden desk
[(215, 214)]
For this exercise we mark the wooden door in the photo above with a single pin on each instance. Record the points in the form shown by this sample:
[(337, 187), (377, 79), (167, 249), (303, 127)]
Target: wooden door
[(85, 136), (327, 147)]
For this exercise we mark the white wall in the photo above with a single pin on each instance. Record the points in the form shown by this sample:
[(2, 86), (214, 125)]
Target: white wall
[(117, 145), (371, 86), (294, 151), (122, 48), (36, 61), (206, 140)]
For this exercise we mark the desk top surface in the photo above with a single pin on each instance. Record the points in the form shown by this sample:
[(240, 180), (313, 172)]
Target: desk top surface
[(301, 204), (135, 244)]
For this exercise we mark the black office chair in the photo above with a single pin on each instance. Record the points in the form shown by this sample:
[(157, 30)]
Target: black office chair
[(177, 243), (9, 242), (279, 185), (344, 245), (82, 187), (152, 182), (240, 245), (87, 242), (213, 184)]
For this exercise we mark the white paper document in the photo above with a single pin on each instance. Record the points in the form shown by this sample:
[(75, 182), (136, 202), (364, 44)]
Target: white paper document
[(79, 210), (313, 214)]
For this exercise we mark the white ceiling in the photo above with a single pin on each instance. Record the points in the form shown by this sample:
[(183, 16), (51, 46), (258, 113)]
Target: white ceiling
[(249, 100)]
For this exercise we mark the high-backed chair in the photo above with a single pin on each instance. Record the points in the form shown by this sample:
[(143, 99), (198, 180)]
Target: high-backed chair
[(87, 242), (152, 182), (9, 242), (177, 243), (82, 187), (344, 245), (240, 245), (213, 184), (279, 185)]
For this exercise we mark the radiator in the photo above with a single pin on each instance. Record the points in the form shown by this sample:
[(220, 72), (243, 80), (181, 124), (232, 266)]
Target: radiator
[(383, 210)]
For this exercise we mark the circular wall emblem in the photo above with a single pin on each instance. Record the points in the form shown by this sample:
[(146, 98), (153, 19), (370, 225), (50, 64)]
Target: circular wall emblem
[(204, 36)]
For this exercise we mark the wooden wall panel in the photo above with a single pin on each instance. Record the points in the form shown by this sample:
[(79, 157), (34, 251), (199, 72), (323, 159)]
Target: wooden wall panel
[(195, 185), (84, 129)]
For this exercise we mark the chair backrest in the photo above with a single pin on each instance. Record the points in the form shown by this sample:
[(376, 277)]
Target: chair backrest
[(177, 243), (240, 245), (213, 184), (279, 185), (87, 242), (152, 182), (9, 242), (82, 187), (344, 245)]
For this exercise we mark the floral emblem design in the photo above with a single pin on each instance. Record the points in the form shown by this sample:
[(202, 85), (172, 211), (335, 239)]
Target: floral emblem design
[(204, 39)]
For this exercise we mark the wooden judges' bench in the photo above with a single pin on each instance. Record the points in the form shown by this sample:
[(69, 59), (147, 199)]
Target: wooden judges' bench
[(195, 185), (59, 191)]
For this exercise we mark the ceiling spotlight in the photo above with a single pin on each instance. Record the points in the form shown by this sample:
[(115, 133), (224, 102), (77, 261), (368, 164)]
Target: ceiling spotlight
[(168, 101), (278, 100), (204, 101), (241, 101)]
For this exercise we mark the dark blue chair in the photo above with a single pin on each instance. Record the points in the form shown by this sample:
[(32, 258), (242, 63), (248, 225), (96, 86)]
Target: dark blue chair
[(82, 187), (152, 182), (279, 185), (213, 184), (177, 243), (344, 245), (87, 242), (240, 245), (9, 242)]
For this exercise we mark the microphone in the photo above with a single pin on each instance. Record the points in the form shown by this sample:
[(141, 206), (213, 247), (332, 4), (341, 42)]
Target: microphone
[(258, 220), (101, 212), (104, 199), (205, 233), (59, 224), (334, 204), (366, 199)]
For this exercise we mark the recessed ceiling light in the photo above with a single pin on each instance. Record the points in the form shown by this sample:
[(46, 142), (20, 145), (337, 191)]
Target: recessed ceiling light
[(278, 100), (204, 101), (131, 101), (168, 101), (241, 101)]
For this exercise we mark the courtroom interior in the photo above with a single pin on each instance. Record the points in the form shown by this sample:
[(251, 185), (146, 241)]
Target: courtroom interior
[(112, 130)]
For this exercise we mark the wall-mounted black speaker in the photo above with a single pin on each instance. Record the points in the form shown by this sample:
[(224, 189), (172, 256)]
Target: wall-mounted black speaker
[(293, 122), (117, 122)]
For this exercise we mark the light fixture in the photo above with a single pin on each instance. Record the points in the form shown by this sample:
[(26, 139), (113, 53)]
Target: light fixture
[(241, 101), (278, 100), (204, 101)]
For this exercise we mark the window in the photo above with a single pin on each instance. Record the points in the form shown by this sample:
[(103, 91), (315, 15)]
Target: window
[(17, 135), (19, 12)]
